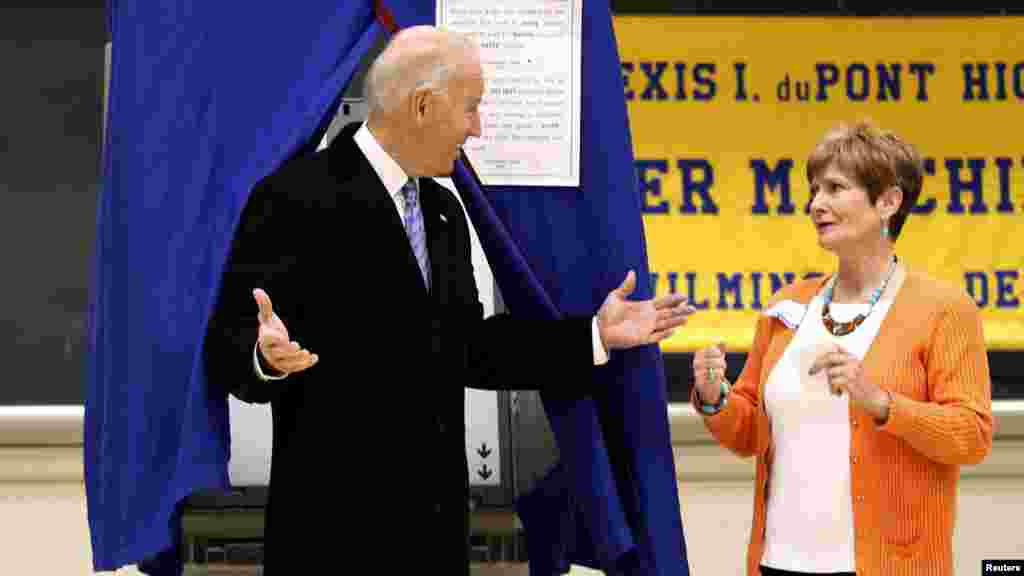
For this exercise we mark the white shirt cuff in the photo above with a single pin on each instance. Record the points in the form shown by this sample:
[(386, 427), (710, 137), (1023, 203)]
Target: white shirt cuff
[(600, 354), (256, 365)]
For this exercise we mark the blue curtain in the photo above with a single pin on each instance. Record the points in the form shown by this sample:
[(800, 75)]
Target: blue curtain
[(205, 99), (612, 501)]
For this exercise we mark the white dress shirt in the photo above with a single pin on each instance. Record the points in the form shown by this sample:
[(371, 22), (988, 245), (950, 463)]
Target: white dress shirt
[(393, 178)]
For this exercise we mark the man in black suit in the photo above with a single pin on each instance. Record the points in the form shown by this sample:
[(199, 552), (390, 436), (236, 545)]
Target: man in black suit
[(368, 260)]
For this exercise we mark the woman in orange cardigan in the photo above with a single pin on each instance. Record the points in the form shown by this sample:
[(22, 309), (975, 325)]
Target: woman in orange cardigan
[(863, 392)]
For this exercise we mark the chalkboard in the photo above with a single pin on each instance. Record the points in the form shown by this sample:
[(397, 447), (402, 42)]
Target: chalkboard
[(52, 104), (52, 65)]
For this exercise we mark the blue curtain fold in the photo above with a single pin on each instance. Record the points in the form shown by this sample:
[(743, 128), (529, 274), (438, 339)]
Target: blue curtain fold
[(205, 99), (611, 502)]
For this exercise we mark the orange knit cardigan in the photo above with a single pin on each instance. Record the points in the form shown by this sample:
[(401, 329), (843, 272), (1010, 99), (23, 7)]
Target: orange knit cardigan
[(930, 353)]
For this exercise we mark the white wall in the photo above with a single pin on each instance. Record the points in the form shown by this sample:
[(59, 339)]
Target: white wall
[(43, 528)]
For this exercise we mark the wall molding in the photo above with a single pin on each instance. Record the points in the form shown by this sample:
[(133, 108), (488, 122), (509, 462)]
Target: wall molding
[(44, 444), (41, 425)]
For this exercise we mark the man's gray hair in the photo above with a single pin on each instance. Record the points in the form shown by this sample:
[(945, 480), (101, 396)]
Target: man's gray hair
[(419, 57)]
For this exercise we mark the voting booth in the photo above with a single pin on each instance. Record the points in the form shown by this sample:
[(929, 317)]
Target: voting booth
[(509, 442), (509, 446)]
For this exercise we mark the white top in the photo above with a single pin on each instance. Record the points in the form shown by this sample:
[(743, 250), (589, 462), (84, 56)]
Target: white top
[(809, 525)]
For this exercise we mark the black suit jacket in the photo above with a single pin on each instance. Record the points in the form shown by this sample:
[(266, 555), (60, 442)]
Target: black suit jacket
[(369, 455)]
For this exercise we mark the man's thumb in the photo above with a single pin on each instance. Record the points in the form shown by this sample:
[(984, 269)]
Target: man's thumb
[(628, 285), (266, 309)]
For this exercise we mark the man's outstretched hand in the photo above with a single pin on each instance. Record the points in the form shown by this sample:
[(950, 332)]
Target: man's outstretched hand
[(624, 323), (280, 353)]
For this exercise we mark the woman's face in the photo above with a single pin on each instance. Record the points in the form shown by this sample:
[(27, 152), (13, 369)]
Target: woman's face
[(843, 213)]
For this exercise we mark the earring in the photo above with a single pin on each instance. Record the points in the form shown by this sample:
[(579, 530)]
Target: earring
[(885, 229)]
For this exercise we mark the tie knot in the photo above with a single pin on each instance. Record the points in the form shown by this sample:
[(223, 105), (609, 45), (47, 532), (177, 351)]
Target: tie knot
[(409, 192)]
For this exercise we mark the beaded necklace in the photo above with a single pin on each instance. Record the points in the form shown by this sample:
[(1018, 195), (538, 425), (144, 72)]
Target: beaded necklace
[(844, 328)]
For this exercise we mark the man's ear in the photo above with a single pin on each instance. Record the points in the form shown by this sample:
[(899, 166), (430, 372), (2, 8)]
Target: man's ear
[(420, 105)]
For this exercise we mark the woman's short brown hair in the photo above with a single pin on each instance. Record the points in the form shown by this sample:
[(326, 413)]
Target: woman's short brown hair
[(876, 159)]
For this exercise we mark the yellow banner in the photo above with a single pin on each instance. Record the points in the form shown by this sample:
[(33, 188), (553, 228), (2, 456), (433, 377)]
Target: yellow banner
[(724, 112)]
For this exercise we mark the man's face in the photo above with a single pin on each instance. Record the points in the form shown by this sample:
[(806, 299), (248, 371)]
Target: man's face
[(456, 118)]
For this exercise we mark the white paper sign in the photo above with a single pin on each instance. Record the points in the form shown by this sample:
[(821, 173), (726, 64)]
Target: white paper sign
[(530, 112)]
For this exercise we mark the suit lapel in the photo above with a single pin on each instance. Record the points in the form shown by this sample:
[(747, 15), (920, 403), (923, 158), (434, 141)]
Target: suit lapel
[(387, 231)]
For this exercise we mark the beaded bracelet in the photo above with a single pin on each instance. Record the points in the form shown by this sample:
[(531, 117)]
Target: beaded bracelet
[(723, 399)]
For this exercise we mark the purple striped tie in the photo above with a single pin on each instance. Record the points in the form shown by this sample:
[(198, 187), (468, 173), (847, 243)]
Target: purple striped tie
[(414, 228)]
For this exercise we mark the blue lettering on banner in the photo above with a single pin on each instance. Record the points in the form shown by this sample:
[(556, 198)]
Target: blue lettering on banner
[(627, 69), (928, 206), (1005, 164), (741, 89), (975, 82), (1000, 80), (654, 90), (729, 287), (755, 301), (651, 187), (979, 294), (701, 187), (1018, 80), (731, 284), (889, 82), (980, 86), (883, 81), (779, 281), (680, 80), (828, 75), (658, 85), (958, 186), (673, 281), (704, 76), (858, 82), (922, 69), (772, 179), (965, 184), (691, 292), (1006, 294), (1003, 285)]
